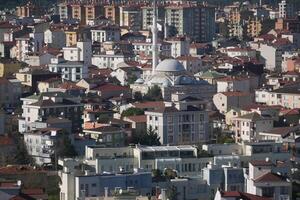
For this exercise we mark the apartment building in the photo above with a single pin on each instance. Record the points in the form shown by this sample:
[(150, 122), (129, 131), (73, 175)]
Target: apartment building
[(69, 70), (39, 107), (286, 9), (182, 123), (106, 33), (112, 12), (131, 17), (198, 22), (247, 127), (185, 159)]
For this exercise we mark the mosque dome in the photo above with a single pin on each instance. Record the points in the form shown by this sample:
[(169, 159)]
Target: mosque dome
[(139, 81), (170, 65)]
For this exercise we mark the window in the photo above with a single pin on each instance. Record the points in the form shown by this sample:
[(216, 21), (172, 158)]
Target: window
[(94, 185)]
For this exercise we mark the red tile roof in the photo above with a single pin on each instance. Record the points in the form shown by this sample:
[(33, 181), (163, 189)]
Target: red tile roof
[(150, 104), (243, 196), (5, 140), (261, 163), (137, 118), (270, 177), (111, 87), (236, 93)]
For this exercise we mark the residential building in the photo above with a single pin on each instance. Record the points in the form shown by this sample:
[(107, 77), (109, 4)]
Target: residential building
[(10, 93), (180, 46), (111, 59), (8, 67), (108, 136), (254, 27), (247, 127), (184, 159), (50, 104), (112, 12), (106, 33), (64, 11), (131, 17), (55, 38), (41, 144), (30, 77), (181, 123), (286, 9), (69, 70), (82, 52), (226, 178), (263, 180), (224, 101), (222, 195), (76, 184), (197, 22)]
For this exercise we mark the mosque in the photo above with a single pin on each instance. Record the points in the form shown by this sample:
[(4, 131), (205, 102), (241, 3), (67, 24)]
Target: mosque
[(171, 76)]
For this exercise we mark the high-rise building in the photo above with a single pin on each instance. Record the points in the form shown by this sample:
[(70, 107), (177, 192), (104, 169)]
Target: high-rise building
[(112, 13), (198, 22), (131, 17), (286, 9)]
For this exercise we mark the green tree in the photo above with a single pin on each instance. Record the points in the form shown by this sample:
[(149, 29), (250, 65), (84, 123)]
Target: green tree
[(131, 79), (170, 173), (267, 25), (65, 148), (22, 157), (137, 96), (153, 94), (172, 193), (132, 112), (149, 138)]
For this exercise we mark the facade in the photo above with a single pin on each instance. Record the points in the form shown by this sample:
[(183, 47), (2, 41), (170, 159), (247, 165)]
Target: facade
[(106, 33), (198, 22), (286, 9), (69, 70), (41, 107), (184, 159), (40, 144), (224, 101), (77, 184), (131, 17), (247, 127), (179, 124), (263, 180), (10, 93), (82, 52), (8, 67), (55, 38)]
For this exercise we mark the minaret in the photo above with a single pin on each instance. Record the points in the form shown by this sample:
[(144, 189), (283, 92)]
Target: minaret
[(154, 38)]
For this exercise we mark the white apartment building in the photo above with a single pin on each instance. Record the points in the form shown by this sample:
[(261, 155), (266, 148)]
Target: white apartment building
[(191, 64), (287, 96), (145, 48), (55, 38), (106, 33), (82, 52), (224, 101), (40, 144), (110, 59), (247, 127), (286, 9), (82, 183), (41, 107), (235, 52), (184, 159), (181, 123), (272, 57), (232, 84), (69, 70), (264, 180), (180, 46)]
